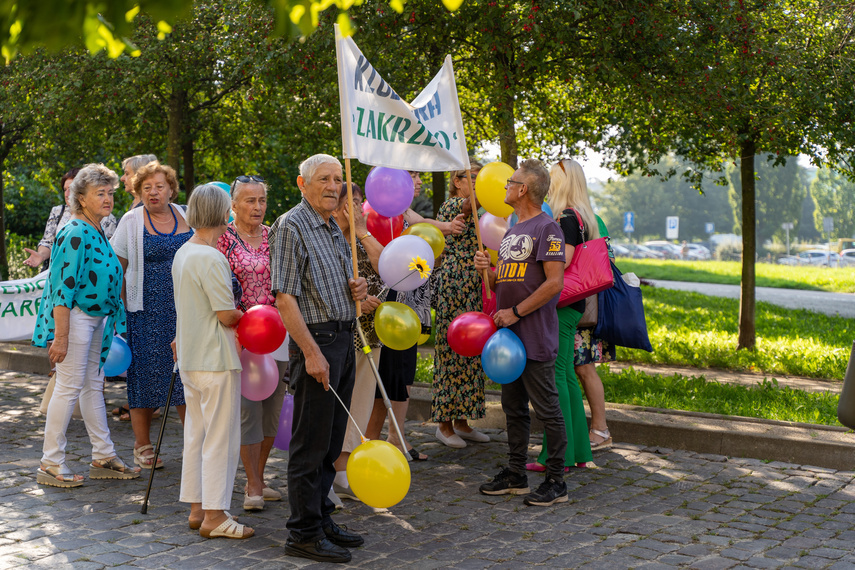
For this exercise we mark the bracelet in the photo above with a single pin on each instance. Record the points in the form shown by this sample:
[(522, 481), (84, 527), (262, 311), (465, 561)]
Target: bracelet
[(516, 313), (367, 234)]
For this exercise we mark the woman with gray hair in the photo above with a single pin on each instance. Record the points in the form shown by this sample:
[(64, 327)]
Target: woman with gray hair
[(245, 245), (208, 359), (130, 166), (59, 216), (80, 311)]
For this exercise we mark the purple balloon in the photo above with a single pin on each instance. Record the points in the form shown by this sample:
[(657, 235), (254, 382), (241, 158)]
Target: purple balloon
[(259, 376), (389, 191), (286, 417)]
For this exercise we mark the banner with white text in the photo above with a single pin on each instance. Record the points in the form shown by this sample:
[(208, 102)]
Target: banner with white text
[(380, 129), (19, 306)]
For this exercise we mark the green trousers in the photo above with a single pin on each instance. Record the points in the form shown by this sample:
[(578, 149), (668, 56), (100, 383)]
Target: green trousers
[(569, 393)]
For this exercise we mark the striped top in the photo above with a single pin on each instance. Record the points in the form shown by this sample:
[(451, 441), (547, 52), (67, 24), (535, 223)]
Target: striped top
[(310, 259)]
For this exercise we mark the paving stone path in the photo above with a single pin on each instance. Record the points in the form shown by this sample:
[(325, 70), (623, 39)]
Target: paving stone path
[(639, 508)]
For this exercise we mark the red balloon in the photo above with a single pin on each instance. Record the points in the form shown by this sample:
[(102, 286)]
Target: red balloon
[(382, 228), (469, 332), (261, 330)]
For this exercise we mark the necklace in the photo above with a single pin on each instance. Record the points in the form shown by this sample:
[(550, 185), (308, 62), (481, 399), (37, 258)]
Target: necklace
[(243, 243), (174, 219), (97, 226), (206, 242), (247, 234)]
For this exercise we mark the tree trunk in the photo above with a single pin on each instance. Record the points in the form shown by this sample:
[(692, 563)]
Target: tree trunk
[(189, 166), (4, 261), (175, 117), (747, 333), (437, 186), (508, 130)]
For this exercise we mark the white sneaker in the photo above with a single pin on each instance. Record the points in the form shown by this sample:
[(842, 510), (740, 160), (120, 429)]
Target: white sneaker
[(253, 503), (453, 441), (473, 435)]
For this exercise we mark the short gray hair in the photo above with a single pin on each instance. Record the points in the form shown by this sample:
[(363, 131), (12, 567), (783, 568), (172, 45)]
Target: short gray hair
[(134, 163), (238, 186), (90, 176), (208, 207), (311, 164), (538, 180)]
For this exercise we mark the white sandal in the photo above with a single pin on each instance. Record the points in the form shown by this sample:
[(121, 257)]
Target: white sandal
[(145, 461), (605, 444), (228, 529)]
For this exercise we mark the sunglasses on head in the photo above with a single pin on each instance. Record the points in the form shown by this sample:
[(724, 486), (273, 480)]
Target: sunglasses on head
[(244, 179)]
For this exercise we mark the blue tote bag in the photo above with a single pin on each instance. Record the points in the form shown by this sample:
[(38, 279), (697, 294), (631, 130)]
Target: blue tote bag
[(621, 319)]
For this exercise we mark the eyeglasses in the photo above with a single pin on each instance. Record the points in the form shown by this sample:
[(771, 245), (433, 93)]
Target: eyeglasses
[(244, 179), (472, 176), (561, 164), (512, 181)]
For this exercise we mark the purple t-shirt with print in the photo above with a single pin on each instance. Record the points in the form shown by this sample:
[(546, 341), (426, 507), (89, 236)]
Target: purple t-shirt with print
[(520, 272)]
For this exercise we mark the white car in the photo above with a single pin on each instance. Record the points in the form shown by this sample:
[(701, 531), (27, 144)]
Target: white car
[(789, 260), (847, 258), (698, 251), (820, 258)]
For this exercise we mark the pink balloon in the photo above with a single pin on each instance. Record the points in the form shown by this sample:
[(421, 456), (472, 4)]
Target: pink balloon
[(493, 229), (259, 377)]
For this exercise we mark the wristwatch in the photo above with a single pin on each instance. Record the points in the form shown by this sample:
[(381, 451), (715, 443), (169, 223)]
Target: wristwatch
[(367, 234)]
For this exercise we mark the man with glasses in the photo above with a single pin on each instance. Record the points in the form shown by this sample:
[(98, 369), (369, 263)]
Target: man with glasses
[(527, 281), (315, 292)]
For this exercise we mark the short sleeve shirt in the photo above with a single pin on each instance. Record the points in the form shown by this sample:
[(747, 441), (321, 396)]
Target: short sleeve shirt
[(251, 266), (202, 285), (520, 272), (310, 259), (85, 273)]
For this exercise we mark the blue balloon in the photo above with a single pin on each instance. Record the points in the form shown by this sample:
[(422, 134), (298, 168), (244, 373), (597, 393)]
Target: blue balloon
[(503, 357), (119, 357), (231, 216), (223, 186), (547, 209), (512, 220)]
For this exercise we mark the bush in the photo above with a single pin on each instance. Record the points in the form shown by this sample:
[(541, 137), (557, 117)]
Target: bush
[(28, 204), (729, 251), (16, 255)]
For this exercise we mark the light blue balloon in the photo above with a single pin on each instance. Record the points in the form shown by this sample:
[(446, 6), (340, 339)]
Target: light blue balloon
[(231, 216), (223, 186), (119, 357), (547, 209), (512, 221), (503, 357)]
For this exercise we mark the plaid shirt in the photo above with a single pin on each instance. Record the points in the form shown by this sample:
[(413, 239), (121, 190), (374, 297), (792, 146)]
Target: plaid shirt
[(311, 260)]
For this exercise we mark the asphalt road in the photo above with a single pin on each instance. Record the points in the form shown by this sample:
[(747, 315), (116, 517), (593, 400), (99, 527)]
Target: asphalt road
[(842, 304)]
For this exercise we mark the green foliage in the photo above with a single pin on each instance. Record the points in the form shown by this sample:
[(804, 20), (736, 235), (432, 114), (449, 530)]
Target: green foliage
[(15, 245), (840, 280), (692, 329), (835, 198), (27, 204), (766, 399)]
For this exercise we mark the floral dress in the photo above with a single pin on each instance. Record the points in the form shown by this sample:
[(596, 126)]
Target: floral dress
[(458, 384)]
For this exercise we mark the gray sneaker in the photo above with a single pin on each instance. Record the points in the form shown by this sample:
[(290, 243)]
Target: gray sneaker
[(549, 492), (344, 492)]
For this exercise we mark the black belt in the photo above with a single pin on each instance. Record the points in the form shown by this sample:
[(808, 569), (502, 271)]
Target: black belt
[(333, 326)]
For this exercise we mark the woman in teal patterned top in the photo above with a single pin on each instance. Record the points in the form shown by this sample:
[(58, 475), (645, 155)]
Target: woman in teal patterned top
[(81, 307)]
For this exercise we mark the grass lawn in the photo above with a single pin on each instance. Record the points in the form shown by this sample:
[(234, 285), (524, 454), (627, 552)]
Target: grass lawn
[(836, 280)]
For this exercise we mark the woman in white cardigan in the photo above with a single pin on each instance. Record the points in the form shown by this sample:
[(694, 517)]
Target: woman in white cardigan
[(146, 242)]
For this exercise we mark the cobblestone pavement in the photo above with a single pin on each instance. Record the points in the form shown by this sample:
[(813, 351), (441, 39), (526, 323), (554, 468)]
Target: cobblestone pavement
[(639, 508)]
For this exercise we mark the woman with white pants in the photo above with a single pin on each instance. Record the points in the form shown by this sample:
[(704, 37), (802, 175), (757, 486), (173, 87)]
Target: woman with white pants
[(209, 363), (80, 309)]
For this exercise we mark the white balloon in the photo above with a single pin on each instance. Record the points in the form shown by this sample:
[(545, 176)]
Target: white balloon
[(395, 261)]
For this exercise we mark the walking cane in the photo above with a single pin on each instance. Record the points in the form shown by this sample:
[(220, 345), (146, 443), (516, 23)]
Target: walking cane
[(144, 509)]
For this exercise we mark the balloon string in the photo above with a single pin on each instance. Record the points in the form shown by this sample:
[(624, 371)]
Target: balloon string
[(361, 435), (404, 277)]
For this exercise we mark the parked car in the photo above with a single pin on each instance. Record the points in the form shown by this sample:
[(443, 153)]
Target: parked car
[(621, 250), (819, 257), (789, 260), (667, 249), (641, 252), (847, 258), (699, 251)]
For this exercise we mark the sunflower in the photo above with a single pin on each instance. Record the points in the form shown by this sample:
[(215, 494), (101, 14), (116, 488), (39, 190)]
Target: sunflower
[(420, 265)]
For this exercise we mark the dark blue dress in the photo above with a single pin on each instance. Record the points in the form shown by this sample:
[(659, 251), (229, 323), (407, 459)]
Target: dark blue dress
[(151, 330)]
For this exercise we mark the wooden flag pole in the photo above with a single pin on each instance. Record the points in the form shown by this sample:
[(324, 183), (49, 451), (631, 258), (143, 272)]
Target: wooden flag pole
[(484, 275), (352, 230)]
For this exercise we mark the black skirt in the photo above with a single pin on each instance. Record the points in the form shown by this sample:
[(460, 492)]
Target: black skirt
[(397, 368)]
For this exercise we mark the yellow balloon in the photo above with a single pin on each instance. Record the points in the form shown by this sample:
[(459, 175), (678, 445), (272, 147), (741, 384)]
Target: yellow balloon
[(430, 234), (378, 473), (494, 257), (490, 188), (423, 338), (397, 325)]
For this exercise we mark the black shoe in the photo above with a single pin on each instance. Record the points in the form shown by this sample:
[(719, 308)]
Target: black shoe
[(551, 491), (323, 550), (506, 483), (339, 536)]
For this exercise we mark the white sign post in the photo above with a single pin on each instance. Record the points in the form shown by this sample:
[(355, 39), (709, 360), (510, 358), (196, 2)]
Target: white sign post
[(672, 227), (787, 226)]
